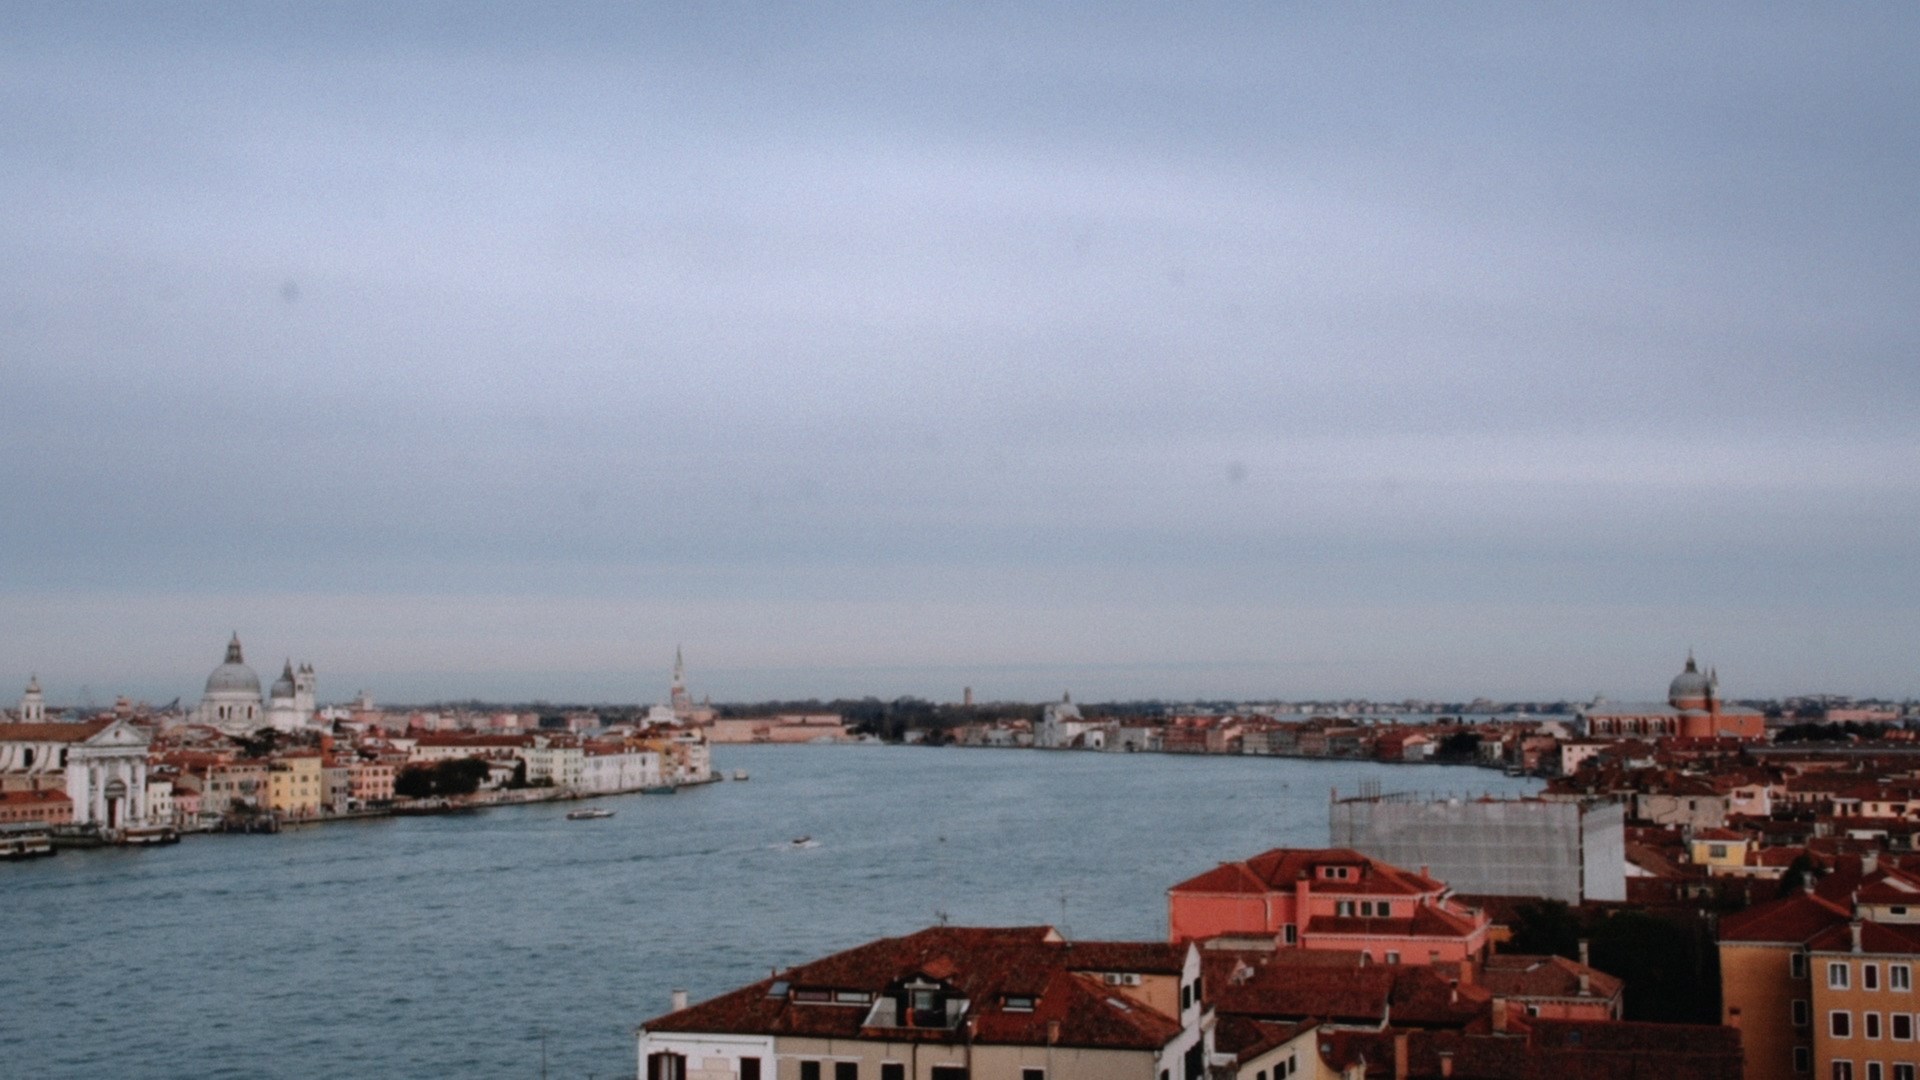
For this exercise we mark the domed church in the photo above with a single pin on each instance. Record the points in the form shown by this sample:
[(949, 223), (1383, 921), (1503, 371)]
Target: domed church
[(232, 701), (1693, 710)]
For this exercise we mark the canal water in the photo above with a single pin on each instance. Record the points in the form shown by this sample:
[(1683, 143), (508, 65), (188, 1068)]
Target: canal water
[(476, 945)]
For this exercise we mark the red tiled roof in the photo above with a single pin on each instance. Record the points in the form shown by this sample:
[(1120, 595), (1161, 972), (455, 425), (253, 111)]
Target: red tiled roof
[(983, 965), (1519, 976), (1277, 870), (1874, 938), (1791, 920), (57, 733)]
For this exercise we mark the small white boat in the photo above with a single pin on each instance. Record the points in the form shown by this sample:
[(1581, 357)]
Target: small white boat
[(739, 774), (588, 815)]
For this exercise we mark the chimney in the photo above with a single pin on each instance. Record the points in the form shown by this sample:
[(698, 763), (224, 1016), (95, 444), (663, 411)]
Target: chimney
[(1854, 926), (1584, 962), (1586, 985), (1446, 1062), (1499, 1015), (1733, 1018), (1869, 862), (1399, 1055), (679, 999), (1302, 897)]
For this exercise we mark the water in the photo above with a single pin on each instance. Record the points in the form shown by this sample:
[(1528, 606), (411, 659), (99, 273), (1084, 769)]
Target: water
[(429, 947)]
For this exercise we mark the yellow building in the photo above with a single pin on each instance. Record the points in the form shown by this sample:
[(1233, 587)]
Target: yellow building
[(1863, 1001), (1721, 851), (295, 784)]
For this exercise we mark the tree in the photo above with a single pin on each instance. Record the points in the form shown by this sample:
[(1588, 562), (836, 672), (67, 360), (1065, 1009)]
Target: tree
[(414, 782)]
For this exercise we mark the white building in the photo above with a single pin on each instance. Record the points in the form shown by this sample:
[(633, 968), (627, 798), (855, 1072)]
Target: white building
[(605, 770), (1061, 725), (101, 764), (290, 702)]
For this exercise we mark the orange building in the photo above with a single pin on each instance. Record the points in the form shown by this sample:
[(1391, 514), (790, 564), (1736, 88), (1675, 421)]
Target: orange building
[(1821, 982), (1329, 898)]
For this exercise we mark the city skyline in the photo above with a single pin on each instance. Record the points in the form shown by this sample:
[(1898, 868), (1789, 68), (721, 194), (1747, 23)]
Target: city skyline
[(476, 351)]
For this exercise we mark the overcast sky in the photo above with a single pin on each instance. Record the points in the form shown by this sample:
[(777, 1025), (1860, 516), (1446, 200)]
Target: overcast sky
[(1181, 350)]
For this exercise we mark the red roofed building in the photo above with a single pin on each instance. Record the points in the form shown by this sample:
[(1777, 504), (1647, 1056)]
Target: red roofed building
[(1329, 898), (951, 1003), (48, 807)]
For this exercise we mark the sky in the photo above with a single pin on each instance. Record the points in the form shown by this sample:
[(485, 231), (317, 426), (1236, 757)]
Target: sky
[(1214, 350)]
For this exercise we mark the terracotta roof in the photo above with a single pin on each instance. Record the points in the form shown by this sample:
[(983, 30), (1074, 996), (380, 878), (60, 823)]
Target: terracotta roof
[(1790, 920), (1874, 938), (1274, 986), (1520, 976), (59, 733), (1279, 869), (985, 966), (1550, 1050)]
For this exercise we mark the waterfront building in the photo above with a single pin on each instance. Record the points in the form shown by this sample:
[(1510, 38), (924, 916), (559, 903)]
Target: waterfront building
[(101, 765), (951, 1003), (46, 806), (1693, 710), (296, 784), (785, 728), (1062, 726), (609, 767), (370, 782), (1569, 850), (1330, 899)]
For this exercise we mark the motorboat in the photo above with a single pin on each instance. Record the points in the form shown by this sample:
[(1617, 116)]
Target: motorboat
[(593, 813)]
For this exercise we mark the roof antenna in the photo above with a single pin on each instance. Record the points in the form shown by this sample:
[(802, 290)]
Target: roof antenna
[(1063, 913)]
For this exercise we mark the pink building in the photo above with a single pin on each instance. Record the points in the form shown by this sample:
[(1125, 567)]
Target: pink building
[(1329, 898)]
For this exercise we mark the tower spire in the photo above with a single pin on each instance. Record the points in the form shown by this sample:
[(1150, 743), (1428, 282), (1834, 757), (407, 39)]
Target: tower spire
[(233, 650)]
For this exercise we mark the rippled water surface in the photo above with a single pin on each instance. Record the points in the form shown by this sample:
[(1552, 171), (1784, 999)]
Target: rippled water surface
[(431, 947)]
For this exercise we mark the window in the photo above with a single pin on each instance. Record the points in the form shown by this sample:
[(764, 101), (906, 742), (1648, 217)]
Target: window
[(749, 1069), (1843, 1070), (1802, 1014), (893, 1070), (1343, 908), (1033, 1074), (1875, 1071), (846, 1070), (1903, 1072), (809, 1070), (852, 997), (1716, 851), (1797, 965), (1840, 1024), (1870, 1024), (1899, 977), (1802, 1059), (1393, 957), (1902, 1025), (1290, 934), (949, 1072), (665, 1066), (1019, 1003), (1869, 976), (1837, 976)]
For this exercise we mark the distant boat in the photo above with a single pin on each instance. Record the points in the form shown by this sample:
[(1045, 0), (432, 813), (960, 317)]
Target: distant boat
[(660, 789), (739, 774), (589, 814), (804, 842)]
